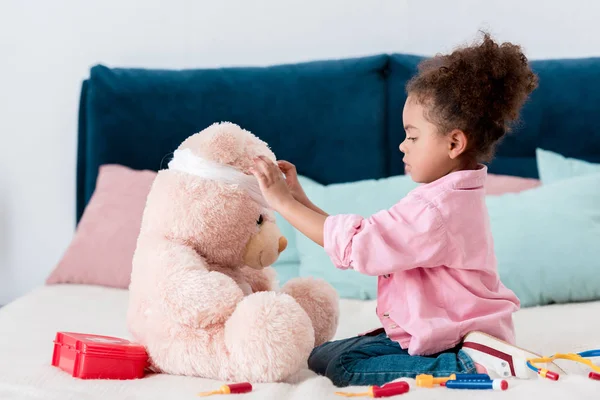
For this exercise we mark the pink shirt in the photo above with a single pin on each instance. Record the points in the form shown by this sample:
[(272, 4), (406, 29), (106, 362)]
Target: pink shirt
[(434, 255)]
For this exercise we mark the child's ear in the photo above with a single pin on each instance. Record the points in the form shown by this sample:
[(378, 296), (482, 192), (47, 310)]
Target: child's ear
[(457, 143)]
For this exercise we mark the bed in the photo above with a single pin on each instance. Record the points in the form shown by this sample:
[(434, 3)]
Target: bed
[(315, 114), (28, 326)]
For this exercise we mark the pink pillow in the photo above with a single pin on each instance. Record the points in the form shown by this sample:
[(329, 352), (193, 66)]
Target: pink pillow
[(102, 249), (501, 184)]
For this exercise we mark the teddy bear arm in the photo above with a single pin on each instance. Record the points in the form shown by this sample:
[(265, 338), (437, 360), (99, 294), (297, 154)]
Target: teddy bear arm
[(199, 298)]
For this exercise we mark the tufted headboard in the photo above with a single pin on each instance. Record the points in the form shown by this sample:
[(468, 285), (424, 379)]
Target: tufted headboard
[(337, 120)]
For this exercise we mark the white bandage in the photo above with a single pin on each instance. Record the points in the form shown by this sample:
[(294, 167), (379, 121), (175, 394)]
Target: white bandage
[(186, 161)]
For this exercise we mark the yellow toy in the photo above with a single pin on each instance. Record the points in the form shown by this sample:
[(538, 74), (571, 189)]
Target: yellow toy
[(577, 357), (428, 381)]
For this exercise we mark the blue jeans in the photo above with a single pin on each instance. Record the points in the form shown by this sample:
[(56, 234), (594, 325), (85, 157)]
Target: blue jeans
[(376, 360)]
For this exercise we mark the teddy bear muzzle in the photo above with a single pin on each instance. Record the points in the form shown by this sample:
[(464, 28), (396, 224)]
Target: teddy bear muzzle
[(264, 247), (282, 244)]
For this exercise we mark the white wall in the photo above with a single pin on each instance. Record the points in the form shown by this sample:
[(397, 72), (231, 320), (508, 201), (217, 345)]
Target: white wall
[(47, 47)]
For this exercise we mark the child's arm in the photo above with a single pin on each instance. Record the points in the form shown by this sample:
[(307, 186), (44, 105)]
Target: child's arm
[(409, 235), (308, 221), (312, 206)]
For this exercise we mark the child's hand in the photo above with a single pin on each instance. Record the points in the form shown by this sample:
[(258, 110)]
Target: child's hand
[(274, 188), (291, 178)]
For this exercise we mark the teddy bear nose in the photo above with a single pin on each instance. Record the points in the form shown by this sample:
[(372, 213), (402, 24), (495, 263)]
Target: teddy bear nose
[(282, 244)]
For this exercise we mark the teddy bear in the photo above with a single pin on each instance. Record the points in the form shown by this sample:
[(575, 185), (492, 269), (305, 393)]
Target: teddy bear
[(203, 297)]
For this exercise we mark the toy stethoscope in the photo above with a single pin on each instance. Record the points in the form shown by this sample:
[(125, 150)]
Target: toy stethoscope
[(577, 357)]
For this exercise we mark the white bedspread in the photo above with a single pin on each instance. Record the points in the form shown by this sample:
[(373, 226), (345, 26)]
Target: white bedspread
[(28, 326)]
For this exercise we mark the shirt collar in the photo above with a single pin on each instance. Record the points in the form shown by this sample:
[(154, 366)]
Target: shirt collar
[(461, 180)]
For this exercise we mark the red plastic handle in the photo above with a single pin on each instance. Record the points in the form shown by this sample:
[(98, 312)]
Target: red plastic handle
[(552, 375), (243, 387), (391, 389)]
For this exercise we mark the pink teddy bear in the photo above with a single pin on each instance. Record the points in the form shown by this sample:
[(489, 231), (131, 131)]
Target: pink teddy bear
[(203, 298)]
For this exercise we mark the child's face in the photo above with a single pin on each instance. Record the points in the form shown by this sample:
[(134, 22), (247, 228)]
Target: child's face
[(426, 151)]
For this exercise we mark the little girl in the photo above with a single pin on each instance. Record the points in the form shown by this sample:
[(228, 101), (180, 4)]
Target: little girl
[(442, 306)]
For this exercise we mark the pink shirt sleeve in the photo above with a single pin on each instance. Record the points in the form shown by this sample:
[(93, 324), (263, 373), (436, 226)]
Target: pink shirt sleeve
[(411, 234)]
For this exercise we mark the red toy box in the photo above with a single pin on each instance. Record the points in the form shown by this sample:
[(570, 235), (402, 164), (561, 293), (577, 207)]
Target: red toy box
[(98, 357)]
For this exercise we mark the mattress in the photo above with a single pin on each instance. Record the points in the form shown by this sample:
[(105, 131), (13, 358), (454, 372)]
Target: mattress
[(28, 326)]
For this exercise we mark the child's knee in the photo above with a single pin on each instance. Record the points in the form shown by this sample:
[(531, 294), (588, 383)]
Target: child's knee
[(319, 360)]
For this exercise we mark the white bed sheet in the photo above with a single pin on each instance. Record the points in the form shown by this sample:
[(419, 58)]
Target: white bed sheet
[(28, 326)]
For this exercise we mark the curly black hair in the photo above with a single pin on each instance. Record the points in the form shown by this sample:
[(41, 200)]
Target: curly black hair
[(478, 89)]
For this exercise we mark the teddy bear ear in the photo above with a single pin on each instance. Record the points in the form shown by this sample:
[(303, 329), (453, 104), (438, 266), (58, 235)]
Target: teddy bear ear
[(225, 142)]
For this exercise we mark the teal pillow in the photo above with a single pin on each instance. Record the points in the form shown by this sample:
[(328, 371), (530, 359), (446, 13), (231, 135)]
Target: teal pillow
[(287, 265), (290, 254), (553, 167), (547, 241), (364, 198), (286, 271)]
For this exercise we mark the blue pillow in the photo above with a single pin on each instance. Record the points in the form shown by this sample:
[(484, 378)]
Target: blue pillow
[(546, 239), (364, 198), (287, 265), (554, 167), (290, 255), (286, 270)]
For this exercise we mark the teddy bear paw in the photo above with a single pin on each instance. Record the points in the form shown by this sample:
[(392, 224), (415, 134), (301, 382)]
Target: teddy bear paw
[(269, 337)]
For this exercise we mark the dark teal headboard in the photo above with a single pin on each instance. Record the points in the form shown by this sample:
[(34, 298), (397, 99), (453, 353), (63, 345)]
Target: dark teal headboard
[(328, 117), (337, 120)]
